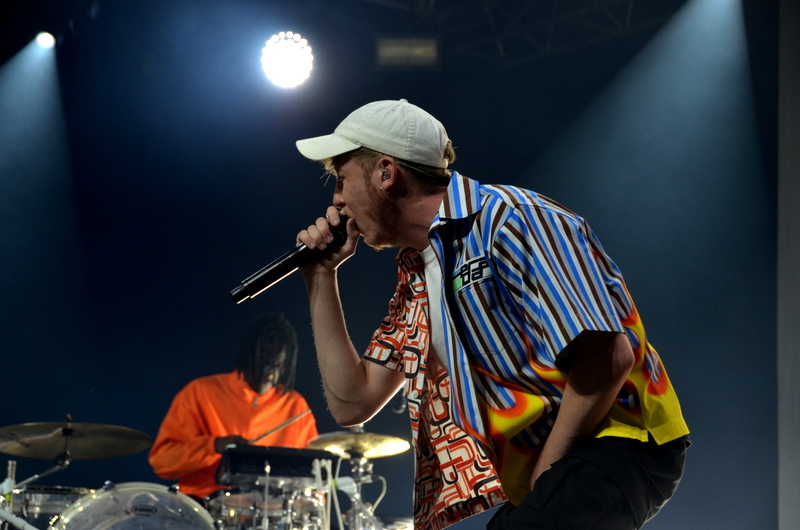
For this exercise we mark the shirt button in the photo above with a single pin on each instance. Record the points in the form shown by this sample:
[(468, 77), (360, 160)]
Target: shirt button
[(414, 394)]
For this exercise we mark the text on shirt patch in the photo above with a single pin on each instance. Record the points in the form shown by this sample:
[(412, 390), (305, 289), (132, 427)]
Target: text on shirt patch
[(469, 272)]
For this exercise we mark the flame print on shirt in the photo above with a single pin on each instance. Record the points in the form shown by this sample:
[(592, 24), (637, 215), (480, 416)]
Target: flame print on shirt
[(653, 371)]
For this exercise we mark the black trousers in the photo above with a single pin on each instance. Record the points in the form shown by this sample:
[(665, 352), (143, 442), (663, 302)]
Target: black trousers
[(603, 483)]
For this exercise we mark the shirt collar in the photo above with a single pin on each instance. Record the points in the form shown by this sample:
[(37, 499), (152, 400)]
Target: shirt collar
[(463, 198), (247, 391)]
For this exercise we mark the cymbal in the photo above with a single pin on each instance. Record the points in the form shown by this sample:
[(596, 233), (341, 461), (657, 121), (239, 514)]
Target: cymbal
[(364, 444), (76, 441)]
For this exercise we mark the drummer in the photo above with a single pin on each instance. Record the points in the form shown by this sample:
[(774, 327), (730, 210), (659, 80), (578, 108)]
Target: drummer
[(238, 407)]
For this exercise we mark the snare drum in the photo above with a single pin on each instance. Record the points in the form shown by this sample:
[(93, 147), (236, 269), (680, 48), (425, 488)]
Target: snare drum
[(292, 504), (37, 505), (135, 506)]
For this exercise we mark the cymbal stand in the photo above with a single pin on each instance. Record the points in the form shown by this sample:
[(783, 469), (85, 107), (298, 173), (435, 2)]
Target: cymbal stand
[(62, 462), (360, 516), (265, 520), (16, 521), (7, 488)]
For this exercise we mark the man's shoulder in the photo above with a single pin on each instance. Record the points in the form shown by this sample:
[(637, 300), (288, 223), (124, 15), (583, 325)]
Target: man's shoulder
[(518, 197), (212, 380), (466, 197), (512, 195), (295, 397)]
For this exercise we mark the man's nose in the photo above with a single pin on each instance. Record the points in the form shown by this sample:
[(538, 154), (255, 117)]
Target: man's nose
[(338, 200)]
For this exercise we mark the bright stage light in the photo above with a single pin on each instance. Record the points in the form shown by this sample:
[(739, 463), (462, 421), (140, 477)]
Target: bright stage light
[(287, 59), (45, 40)]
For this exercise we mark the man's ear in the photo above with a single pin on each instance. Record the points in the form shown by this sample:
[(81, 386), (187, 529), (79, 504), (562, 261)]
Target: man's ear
[(388, 168)]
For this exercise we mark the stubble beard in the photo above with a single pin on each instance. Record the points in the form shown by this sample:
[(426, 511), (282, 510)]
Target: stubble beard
[(386, 214)]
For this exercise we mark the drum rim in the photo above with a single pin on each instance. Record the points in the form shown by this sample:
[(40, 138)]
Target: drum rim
[(85, 501), (51, 489)]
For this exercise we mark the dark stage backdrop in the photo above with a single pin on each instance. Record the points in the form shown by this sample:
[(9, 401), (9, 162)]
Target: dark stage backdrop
[(179, 177)]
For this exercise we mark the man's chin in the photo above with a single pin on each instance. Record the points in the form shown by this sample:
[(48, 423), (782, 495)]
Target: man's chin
[(377, 245)]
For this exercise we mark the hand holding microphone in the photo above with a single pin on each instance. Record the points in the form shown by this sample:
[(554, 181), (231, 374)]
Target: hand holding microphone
[(301, 255)]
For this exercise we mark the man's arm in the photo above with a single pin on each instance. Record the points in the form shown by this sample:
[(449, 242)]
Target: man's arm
[(181, 446), (602, 362), (355, 389)]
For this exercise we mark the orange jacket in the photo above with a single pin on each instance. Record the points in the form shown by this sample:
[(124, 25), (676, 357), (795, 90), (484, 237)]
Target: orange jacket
[(222, 405)]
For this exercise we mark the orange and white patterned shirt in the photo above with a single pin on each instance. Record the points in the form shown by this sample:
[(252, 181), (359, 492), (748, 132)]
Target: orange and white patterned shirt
[(454, 477)]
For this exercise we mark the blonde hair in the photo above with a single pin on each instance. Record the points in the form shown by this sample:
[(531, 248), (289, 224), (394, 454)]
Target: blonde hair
[(428, 176)]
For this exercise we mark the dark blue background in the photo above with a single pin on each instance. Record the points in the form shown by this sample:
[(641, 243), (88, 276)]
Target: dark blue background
[(179, 178)]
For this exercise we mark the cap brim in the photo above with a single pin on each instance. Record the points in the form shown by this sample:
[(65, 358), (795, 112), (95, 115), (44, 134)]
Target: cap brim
[(322, 147)]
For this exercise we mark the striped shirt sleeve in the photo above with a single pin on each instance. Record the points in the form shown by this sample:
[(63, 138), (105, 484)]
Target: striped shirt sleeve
[(548, 259)]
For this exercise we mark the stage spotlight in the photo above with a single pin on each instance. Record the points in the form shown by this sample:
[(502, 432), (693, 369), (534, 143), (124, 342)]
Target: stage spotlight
[(287, 59), (45, 40)]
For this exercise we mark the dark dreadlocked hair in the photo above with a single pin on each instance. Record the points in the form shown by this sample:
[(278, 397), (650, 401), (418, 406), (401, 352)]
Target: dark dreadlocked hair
[(264, 339)]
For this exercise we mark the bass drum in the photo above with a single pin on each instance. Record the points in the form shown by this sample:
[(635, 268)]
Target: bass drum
[(135, 506)]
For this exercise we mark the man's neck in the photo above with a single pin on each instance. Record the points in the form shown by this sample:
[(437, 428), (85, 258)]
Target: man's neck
[(418, 215)]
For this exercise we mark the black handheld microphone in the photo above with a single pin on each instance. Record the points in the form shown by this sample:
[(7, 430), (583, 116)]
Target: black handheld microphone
[(282, 267)]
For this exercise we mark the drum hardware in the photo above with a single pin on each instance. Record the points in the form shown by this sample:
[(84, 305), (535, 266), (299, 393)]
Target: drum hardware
[(393, 522), (265, 516), (72, 441), (61, 462), (7, 487), (62, 443), (359, 446), (275, 488), (7, 500), (244, 464), (16, 521), (360, 515), (38, 505)]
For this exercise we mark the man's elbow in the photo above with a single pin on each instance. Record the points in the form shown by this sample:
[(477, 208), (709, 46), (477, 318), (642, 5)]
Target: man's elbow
[(624, 358), (349, 415)]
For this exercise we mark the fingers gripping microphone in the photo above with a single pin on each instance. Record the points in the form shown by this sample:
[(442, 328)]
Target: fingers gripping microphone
[(287, 264)]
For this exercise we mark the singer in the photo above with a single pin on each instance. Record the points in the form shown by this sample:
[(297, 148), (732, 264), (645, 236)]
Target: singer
[(517, 341)]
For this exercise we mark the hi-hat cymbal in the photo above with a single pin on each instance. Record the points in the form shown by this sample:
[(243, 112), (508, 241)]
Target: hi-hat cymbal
[(76, 441), (368, 445)]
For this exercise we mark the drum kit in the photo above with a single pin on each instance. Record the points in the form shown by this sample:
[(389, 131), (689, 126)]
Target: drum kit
[(265, 488)]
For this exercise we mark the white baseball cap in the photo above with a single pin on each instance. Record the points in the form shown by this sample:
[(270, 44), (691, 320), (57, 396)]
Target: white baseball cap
[(394, 128)]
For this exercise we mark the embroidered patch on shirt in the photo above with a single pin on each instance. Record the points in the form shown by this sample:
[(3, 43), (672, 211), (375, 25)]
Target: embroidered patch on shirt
[(469, 272)]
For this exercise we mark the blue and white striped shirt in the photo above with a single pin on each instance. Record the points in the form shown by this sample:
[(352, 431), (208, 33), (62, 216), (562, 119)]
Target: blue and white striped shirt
[(522, 277)]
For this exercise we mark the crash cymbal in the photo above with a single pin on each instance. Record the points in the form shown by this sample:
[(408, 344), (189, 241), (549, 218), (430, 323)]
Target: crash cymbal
[(368, 445), (76, 441)]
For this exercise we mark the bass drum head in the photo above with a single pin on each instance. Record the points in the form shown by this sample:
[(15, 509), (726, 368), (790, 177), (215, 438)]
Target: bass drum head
[(135, 506)]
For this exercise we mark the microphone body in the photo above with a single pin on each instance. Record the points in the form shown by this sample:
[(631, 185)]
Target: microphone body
[(282, 267)]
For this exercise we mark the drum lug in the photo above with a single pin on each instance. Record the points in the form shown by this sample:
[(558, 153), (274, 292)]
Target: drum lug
[(107, 485)]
